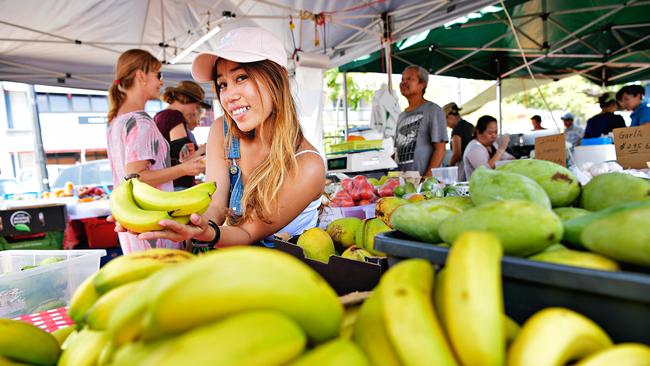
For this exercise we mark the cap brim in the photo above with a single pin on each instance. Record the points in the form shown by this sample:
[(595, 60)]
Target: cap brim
[(204, 62), (206, 105)]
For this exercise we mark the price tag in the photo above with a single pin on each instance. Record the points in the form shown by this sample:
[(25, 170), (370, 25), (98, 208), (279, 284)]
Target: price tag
[(633, 146), (551, 148)]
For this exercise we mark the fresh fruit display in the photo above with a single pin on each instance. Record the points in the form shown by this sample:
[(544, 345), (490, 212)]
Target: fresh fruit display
[(139, 209), (487, 185), (317, 244), (568, 213), (387, 189), (611, 189), (255, 306), (560, 184)]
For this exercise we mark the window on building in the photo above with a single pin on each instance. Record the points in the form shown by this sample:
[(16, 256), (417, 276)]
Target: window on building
[(19, 114), (99, 103), (59, 103), (41, 101), (80, 103)]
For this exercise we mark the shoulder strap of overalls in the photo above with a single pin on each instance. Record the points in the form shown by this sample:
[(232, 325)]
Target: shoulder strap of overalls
[(233, 151)]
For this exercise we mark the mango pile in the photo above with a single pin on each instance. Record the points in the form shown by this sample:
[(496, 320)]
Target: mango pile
[(535, 207)]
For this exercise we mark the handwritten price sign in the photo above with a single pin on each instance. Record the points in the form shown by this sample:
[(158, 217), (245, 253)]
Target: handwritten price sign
[(633, 146), (551, 148)]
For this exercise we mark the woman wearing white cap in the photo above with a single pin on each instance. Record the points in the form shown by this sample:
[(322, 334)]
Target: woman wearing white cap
[(269, 177)]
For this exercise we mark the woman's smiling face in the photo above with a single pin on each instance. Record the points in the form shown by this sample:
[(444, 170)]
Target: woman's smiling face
[(247, 102)]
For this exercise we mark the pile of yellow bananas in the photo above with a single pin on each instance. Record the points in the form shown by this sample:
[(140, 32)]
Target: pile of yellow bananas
[(253, 306), (139, 207)]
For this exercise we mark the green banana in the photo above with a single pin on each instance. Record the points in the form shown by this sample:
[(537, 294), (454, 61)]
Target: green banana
[(243, 278), (473, 299), (126, 321), (349, 319), (106, 354), (84, 350), (554, 336), (179, 203), (127, 213), (24, 342), (62, 334), (83, 299), (370, 334), (510, 328), (253, 338), (98, 315), (576, 258), (439, 299), (333, 353), (7, 362), (134, 354), (405, 295), (136, 266), (624, 354)]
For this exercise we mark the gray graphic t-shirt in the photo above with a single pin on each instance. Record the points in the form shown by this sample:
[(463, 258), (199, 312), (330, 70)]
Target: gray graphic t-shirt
[(417, 131)]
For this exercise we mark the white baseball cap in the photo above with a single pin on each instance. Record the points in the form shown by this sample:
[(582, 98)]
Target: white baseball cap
[(245, 44)]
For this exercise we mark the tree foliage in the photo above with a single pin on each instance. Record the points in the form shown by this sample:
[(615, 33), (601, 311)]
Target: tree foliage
[(334, 83), (573, 94)]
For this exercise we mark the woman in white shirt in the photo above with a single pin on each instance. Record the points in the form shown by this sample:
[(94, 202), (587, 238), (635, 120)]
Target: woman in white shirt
[(484, 149)]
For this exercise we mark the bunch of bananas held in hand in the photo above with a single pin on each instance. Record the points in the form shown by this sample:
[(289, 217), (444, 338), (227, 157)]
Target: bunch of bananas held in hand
[(139, 207)]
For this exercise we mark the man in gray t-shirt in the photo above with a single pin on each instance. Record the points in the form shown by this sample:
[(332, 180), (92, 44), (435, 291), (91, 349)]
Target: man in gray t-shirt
[(421, 132)]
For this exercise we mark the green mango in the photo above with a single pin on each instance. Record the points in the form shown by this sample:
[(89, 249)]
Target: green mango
[(409, 187), (573, 228), (558, 182), (576, 258), (522, 227), (554, 248), (464, 203), (613, 188), (343, 230), (568, 213), (421, 219), (365, 235), (487, 185), (622, 236)]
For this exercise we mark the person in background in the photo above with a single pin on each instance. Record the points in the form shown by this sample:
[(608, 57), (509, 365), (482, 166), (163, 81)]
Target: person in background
[(485, 149), (631, 98), (462, 133), (178, 120), (421, 133), (606, 121), (269, 177), (536, 120), (135, 145), (572, 132)]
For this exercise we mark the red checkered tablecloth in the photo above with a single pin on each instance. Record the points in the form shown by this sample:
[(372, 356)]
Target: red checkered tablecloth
[(49, 320)]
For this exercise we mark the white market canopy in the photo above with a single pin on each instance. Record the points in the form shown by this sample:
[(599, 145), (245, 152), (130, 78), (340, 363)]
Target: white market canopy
[(75, 43)]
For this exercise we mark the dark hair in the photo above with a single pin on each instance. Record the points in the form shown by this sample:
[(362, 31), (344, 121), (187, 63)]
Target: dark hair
[(633, 90), (607, 100), (482, 123), (537, 118)]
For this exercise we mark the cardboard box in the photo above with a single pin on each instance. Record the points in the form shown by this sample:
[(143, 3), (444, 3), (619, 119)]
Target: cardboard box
[(33, 219), (344, 275)]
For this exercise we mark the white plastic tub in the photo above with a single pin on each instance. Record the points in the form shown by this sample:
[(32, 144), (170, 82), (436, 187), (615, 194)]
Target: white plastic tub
[(44, 287)]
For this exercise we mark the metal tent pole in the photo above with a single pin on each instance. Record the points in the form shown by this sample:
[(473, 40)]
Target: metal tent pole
[(345, 104), (39, 151), (388, 40), (499, 102)]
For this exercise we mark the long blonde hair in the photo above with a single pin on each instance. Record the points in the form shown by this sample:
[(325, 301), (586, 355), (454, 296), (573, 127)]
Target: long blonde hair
[(127, 64), (262, 187)]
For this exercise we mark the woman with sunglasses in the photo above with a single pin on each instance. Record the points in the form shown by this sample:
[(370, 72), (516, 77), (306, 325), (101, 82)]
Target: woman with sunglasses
[(135, 145), (269, 177)]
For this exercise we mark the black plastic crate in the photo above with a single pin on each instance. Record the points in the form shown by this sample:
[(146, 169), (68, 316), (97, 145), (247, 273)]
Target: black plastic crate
[(344, 275), (33, 219), (617, 301)]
